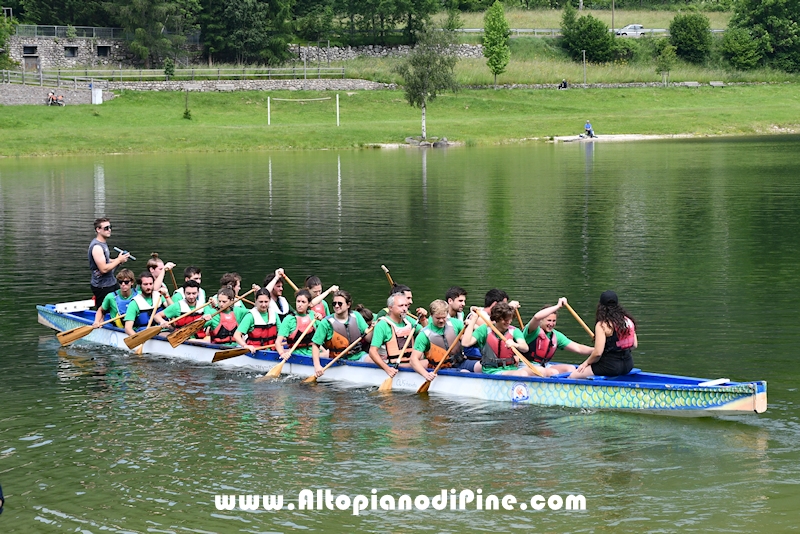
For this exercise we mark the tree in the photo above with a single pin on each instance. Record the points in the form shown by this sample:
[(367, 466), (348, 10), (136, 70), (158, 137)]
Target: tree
[(690, 34), (65, 12), (495, 40), (145, 21), (740, 49), (586, 33), (6, 27), (429, 69), (775, 26), (665, 61)]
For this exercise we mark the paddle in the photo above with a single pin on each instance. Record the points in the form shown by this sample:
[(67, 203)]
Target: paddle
[(152, 331), (140, 349), (70, 336), (275, 372), (391, 283), (289, 280), (536, 371), (232, 353), (580, 321), (174, 283), (519, 318), (185, 332), (424, 387), (387, 384), (313, 378)]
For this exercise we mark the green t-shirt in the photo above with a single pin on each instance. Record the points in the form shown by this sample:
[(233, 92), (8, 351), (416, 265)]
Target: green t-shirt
[(324, 332), (133, 307), (110, 303), (178, 295), (480, 334), (561, 340), (423, 344), (383, 331), (289, 325), (174, 310)]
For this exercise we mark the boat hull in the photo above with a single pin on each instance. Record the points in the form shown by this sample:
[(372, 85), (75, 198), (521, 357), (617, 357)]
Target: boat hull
[(640, 392)]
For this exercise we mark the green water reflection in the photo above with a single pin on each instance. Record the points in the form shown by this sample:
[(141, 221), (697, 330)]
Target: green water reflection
[(699, 238)]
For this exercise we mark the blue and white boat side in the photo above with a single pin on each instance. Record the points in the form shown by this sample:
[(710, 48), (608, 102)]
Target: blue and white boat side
[(637, 391)]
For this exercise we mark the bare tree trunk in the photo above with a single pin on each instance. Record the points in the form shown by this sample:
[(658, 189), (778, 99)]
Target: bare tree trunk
[(424, 129)]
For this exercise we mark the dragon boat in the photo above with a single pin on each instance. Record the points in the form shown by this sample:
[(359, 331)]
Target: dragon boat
[(637, 391)]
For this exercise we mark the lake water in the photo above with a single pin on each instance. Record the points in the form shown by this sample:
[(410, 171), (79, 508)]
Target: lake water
[(699, 238)]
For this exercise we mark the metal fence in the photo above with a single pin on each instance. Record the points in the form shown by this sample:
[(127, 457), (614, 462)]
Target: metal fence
[(75, 77), (84, 32)]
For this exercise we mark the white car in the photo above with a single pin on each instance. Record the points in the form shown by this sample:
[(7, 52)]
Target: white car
[(632, 30)]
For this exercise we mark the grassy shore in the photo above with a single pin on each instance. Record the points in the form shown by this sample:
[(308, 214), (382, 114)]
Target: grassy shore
[(138, 122)]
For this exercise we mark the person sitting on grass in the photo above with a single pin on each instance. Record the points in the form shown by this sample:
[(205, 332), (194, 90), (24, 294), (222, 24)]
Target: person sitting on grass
[(589, 129)]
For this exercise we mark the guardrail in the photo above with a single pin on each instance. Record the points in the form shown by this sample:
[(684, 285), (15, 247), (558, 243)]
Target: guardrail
[(58, 78)]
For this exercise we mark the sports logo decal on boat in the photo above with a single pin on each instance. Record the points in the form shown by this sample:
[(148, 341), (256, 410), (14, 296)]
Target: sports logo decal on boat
[(519, 393)]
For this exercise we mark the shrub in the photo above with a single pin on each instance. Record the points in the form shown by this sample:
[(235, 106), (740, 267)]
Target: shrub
[(587, 33), (740, 49), (690, 34), (169, 67)]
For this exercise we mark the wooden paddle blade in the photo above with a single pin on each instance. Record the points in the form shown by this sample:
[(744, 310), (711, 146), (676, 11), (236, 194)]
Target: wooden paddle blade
[(231, 353), (387, 385), (70, 336), (424, 387), (310, 380), (140, 337), (182, 334), (275, 372)]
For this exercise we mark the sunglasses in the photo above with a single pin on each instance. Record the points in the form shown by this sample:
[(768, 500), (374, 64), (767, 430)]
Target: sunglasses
[(337, 303), (126, 281), (106, 227)]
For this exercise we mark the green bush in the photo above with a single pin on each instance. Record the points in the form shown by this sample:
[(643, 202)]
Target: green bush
[(169, 67), (316, 24), (740, 49), (690, 34), (587, 33)]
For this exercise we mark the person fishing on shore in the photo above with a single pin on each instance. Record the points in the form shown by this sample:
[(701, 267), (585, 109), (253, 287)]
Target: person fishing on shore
[(614, 338), (543, 340)]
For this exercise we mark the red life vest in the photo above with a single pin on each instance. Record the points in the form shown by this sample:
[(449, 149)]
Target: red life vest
[(262, 333), (224, 331), (302, 324), (343, 334), (544, 348), (398, 340), (626, 342), (495, 353), (184, 307), (319, 308), (440, 344)]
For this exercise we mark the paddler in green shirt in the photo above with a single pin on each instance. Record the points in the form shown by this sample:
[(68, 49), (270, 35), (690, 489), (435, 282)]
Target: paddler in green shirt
[(543, 340), (191, 292), (434, 341), (293, 326), (259, 324), (222, 328), (116, 303), (191, 273), (497, 356), (338, 331), (391, 333), (422, 313), (141, 306)]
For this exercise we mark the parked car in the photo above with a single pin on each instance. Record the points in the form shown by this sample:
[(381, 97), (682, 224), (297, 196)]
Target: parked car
[(632, 30)]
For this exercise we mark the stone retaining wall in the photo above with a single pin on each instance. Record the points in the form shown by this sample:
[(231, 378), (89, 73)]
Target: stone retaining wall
[(336, 84), (312, 54), (12, 94)]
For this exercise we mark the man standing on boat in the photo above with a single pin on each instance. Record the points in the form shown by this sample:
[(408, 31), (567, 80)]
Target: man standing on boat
[(100, 262), (116, 303), (390, 335), (436, 339), (543, 340), (139, 310), (456, 298)]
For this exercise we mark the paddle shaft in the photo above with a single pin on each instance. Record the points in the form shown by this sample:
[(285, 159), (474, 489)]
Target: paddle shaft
[(427, 384), (174, 283), (519, 355), (519, 318), (232, 353), (299, 339), (193, 327), (156, 302), (388, 276), (289, 281), (387, 384), (580, 321)]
